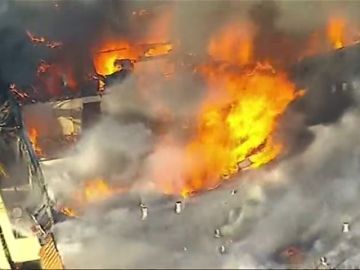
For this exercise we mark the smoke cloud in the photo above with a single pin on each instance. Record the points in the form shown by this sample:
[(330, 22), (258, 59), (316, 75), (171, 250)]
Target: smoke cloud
[(300, 200), (275, 206)]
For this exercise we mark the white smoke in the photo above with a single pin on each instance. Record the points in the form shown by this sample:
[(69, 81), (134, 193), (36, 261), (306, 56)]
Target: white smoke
[(302, 201), (111, 151)]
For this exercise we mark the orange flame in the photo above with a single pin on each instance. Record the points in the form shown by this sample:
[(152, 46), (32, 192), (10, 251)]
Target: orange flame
[(237, 121), (93, 191), (33, 134), (336, 32), (112, 50), (68, 211), (237, 126), (153, 43), (96, 190), (109, 52), (233, 44), (158, 50)]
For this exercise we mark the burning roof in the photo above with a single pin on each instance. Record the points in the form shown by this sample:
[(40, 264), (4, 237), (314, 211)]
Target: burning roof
[(190, 105), (236, 120)]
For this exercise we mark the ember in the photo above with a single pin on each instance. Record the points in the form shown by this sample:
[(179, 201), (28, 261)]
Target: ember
[(42, 67), (17, 92), (43, 41)]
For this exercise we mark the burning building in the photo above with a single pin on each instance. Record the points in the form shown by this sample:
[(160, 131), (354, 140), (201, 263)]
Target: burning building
[(22, 183), (190, 120)]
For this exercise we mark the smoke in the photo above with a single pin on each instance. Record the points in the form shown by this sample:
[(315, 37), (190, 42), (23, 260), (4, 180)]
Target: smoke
[(113, 151), (300, 200)]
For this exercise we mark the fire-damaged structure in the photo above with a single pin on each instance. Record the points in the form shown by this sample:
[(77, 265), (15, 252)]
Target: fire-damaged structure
[(32, 135), (26, 206), (25, 202)]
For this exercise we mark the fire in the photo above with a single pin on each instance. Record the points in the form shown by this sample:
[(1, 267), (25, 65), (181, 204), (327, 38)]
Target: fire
[(238, 125), (93, 191), (154, 42), (336, 32), (158, 50), (110, 51), (33, 134), (68, 211), (54, 77), (237, 121), (96, 190), (233, 44), (235, 128)]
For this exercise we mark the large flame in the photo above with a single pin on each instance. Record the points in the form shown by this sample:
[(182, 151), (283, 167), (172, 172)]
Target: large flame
[(237, 121), (236, 124)]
